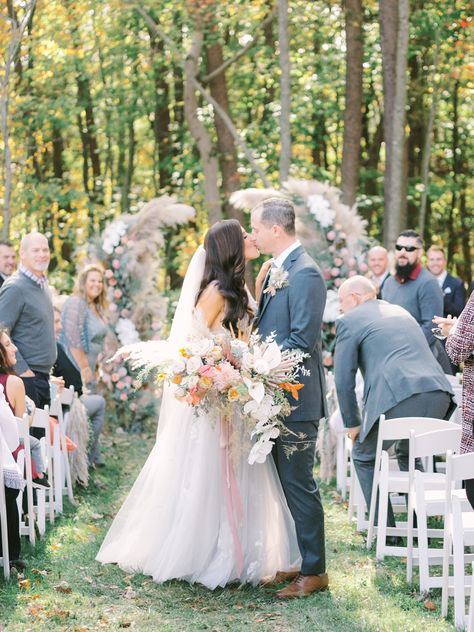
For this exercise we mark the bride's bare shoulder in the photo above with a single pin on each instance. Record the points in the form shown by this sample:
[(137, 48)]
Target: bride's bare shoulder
[(211, 303)]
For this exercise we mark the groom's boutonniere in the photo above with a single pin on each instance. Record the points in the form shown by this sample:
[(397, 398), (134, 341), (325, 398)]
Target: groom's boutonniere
[(278, 280)]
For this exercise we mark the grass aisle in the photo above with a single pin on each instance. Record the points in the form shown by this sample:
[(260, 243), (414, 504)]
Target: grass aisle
[(65, 589)]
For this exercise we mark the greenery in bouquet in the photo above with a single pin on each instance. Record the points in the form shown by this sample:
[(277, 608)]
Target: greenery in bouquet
[(228, 376)]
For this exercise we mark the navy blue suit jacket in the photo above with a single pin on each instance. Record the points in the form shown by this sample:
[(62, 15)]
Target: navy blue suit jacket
[(454, 296), (295, 315)]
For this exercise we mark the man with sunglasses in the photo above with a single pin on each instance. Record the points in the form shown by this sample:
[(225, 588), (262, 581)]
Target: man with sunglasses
[(417, 290)]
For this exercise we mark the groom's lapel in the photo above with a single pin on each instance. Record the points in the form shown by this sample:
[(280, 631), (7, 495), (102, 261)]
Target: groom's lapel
[(287, 264)]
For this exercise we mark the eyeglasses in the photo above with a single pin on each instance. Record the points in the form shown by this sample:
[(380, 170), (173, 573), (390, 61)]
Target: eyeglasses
[(406, 248)]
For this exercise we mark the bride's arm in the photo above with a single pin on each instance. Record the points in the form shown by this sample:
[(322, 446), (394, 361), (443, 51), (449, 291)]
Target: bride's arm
[(261, 278), (211, 305)]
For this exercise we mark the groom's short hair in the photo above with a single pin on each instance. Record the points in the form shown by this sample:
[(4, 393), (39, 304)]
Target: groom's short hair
[(278, 211)]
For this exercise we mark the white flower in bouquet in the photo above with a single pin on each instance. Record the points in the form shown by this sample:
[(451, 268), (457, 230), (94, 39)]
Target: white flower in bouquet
[(320, 207), (238, 348), (248, 361), (201, 346), (331, 311), (192, 364), (126, 331), (260, 451), (178, 366), (256, 389)]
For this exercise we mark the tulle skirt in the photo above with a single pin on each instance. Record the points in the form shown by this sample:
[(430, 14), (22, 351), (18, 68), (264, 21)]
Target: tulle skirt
[(199, 512)]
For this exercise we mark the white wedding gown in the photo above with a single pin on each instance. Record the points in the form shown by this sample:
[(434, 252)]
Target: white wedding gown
[(199, 512)]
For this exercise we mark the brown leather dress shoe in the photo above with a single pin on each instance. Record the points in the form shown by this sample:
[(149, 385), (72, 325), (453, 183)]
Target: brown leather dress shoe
[(280, 577), (304, 585)]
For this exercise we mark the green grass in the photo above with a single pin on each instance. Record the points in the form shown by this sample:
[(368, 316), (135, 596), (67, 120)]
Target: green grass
[(64, 588)]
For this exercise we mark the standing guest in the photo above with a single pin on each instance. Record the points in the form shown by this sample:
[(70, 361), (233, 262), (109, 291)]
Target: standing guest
[(460, 348), (26, 310), (13, 481), (452, 288), (15, 395), (377, 260), (84, 327), (401, 377), (7, 261), (416, 289)]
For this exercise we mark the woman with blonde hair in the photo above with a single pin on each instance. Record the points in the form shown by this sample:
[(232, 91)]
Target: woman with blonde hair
[(84, 326)]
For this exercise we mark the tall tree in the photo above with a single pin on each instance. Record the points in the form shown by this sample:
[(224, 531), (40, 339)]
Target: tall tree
[(285, 90), (394, 20), (353, 110), (17, 30)]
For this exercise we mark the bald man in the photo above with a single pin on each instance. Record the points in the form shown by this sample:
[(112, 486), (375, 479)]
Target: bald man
[(26, 309), (377, 260), (401, 376)]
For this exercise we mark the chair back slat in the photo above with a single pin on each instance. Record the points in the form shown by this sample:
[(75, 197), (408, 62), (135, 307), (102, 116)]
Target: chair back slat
[(399, 428), (436, 442), (460, 467)]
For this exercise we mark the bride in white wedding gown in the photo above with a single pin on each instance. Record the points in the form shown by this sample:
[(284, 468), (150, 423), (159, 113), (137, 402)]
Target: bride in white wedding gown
[(198, 511)]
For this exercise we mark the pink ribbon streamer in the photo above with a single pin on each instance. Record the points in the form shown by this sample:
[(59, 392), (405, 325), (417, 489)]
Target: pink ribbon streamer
[(233, 500)]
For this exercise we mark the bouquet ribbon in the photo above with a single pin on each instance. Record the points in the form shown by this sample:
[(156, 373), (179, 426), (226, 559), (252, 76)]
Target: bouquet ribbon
[(232, 497)]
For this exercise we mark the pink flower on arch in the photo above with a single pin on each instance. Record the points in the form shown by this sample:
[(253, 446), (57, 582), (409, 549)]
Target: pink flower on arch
[(363, 267), (120, 385), (116, 264), (123, 397), (335, 272), (331, 235), (108, 274), (118, 293)]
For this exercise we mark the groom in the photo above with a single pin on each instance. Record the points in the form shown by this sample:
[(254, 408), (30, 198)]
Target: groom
[(291, 305)]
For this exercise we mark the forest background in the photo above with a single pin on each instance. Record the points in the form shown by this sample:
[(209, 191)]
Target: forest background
[(106, 104)]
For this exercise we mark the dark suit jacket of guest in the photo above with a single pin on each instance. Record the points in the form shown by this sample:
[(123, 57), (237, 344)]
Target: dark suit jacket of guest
[(388, 346), (295, 315), (379, 293), (2, 280), (64, 368), (454, 296)]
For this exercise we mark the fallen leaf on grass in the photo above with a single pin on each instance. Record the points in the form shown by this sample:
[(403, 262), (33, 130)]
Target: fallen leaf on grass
[(89, 580), (430, 605), (96, 516), (238, 606), (37, 571), (81, 629), (24, 584), (35, 610), (125, 624), (63, 587), (129, 593)]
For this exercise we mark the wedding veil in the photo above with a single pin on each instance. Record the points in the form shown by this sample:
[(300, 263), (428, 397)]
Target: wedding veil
[(183, 316)]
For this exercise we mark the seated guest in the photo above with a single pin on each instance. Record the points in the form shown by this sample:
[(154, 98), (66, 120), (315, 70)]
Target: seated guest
[(13, 481), (453, 288), (377, 261), (401, 375), (7, 261), (16, 398), (93, 403)]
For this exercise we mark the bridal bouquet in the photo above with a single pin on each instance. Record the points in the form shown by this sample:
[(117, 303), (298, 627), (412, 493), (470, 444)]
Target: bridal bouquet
[(230, 376)]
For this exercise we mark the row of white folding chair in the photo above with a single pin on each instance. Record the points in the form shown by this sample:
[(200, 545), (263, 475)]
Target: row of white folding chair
[(41, 420), (28, 518), (4, 558), (394, 430), (459, 533), (428, 496), (62, 471)]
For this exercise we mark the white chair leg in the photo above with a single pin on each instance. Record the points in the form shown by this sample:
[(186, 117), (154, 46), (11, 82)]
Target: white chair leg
[(3, 521), (447, 546), (41, 504), (383, 509), (57, 474), (470, 617), (459, 595)]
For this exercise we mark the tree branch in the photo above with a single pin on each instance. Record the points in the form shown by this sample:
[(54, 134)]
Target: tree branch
[(158, 31), (242, 51)]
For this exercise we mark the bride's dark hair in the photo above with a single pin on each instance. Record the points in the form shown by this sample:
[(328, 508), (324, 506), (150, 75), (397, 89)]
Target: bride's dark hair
[(225, 264)]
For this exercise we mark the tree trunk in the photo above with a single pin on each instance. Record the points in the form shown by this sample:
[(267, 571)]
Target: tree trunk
[(466, 272), (285, 91), (225, 143), (161, 122), (198, 130), (13, 47), (425, 162), (456, 171), (353, 109), (58, 150), (395, 147)]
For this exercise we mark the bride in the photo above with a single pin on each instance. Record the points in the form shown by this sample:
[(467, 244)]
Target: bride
[(198, 511)]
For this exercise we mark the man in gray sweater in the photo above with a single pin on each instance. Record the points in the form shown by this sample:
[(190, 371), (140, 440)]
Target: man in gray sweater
[(26, 309), (417, 290)]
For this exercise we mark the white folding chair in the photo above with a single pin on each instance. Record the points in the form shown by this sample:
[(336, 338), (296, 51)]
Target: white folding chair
[(41, 420), (62, 470), (459, 533), (427, 497), (24, 463), (470, 616), (394, 430), (4, 558)]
